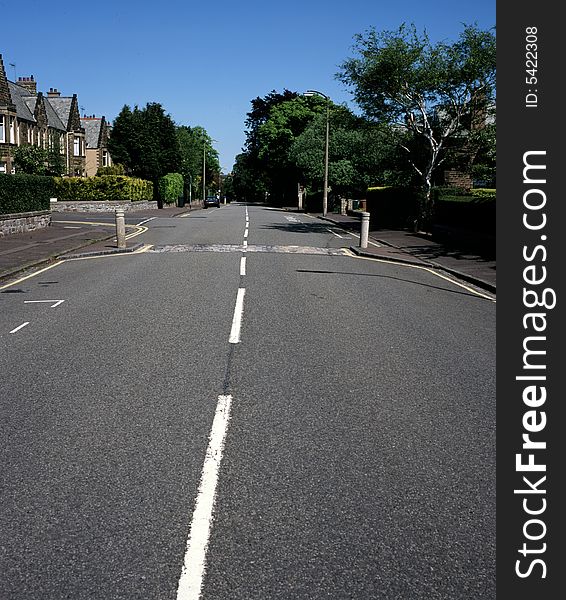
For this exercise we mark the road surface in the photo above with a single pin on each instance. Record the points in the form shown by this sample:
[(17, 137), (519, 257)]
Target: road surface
[(245, 410)]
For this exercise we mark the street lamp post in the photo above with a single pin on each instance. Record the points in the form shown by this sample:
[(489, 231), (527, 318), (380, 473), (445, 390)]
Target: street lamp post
[(204, 172), (325, 190)]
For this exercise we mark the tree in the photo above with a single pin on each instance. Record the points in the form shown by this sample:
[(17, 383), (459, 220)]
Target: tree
[(193, 143), (275, 137), (145, 142), (360, 154), (248, 180), (426, 91), (121, 140), (55, 160), (31, 160), (255, 175)]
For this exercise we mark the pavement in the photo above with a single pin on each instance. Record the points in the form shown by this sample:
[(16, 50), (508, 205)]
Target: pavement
[(26, 251), (22, 252)]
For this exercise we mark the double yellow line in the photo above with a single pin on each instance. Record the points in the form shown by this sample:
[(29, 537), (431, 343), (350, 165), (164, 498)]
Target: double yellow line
[(139, 229)]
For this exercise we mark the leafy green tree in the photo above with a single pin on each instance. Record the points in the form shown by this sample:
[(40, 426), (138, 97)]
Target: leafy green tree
[(197, 151), (254, 175), (248, 178), (30, 160), (484, 165), (360, 154), (145, 142), (426, 91), (122, 140), (55, 160), (275, 137)]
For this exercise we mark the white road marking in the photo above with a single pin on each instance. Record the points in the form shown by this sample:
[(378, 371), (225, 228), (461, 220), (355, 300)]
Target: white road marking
[(243, 266), (428, 270), (71, 227), (57, 302), (245, 243), (194, 565), (246, 233), (369, 241), (333, 232), (147, 220), (237, 318), (19, 327)]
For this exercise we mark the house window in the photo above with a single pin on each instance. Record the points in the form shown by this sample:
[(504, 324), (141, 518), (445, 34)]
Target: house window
[(62, 143), (2, 132), (30, 139), (105, 158), (77, 147), (2, 164), (12, 130)]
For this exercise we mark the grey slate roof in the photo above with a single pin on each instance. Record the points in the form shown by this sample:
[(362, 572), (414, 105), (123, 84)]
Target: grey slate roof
[(19, 95), (62, 106), (92, 132), (53, 119)]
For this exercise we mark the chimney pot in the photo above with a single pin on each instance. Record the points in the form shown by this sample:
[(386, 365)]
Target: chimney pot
[(29, 84)]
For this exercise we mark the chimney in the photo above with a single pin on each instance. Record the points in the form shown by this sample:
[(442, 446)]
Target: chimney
[(53, 93), (29, 84)]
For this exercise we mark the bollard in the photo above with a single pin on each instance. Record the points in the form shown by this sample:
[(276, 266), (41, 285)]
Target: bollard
[(365, 230), (120, 228)]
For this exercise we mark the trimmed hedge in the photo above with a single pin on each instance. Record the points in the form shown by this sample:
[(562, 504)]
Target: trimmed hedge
[(170, 187), (25, 193), (474, 210), (443, 193), (106, 187)]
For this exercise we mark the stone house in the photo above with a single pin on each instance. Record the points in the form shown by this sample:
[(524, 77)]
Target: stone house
[(97, 132), (52, 121)]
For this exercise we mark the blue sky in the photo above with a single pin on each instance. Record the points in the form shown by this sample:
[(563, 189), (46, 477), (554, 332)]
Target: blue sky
[(205, 61)]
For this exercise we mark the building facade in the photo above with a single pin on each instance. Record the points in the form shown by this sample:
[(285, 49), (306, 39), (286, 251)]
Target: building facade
[(48, 121), (97, 132)]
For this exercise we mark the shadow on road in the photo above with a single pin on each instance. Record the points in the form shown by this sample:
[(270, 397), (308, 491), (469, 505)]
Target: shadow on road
[(302, 227), (403, 280)]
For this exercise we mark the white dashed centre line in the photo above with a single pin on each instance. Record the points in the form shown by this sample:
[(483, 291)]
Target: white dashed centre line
[(237, 318), (190, 582), (242, 266)]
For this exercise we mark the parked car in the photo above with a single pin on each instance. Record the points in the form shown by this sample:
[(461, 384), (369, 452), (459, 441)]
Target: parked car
[(212, 201)]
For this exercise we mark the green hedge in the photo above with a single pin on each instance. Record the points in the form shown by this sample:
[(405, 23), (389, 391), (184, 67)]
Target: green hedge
[(25, 193), (474, 210), (170, 187), (107, 187)]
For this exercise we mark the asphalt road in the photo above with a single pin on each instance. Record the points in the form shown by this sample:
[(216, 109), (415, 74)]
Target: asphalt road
[(245, 410)]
